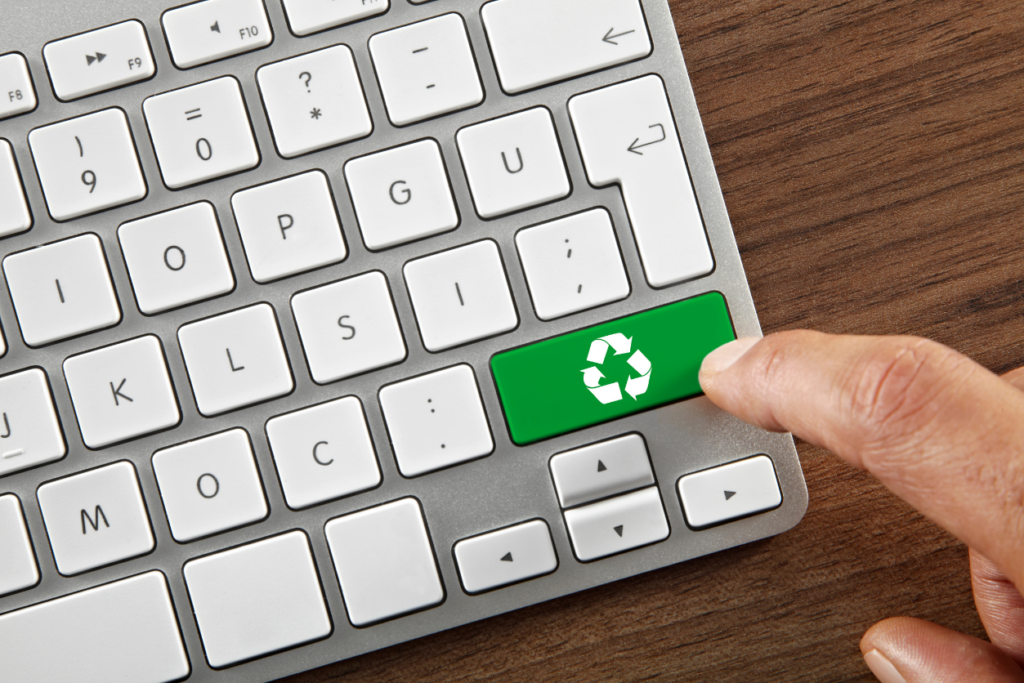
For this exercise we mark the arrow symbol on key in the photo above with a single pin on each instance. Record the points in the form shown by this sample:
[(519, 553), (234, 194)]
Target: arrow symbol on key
[(729, 494), (98, 58), (507, 557), (618, 530), (634, 147), (609, 38)]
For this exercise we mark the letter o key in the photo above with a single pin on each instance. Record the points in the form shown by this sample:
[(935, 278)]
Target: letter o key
[(215, 485)]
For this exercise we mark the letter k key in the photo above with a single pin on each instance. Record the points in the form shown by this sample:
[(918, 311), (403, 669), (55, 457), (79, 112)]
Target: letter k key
[(118, 395)]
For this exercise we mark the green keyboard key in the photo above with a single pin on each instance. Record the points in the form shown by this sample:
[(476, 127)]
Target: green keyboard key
[(609, 370)]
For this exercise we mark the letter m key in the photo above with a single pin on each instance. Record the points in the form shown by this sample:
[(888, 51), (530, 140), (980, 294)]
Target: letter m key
[(94, 520)]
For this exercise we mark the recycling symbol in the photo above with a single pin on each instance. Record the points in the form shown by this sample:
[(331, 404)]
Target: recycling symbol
[(592, 376)]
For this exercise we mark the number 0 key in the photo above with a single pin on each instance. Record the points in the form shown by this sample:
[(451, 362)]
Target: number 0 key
[(201, 132)]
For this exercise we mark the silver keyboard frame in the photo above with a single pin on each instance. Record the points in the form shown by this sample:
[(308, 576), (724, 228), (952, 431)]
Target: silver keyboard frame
[(511, 485)]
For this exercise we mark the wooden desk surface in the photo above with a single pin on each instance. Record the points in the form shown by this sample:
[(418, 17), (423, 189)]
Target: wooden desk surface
[(872, 158)]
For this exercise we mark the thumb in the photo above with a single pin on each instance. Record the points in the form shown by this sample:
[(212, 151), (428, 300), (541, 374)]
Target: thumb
[(906, 650), (939, 430)]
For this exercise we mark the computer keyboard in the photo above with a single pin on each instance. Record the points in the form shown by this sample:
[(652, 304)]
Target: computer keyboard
[(336, 323)]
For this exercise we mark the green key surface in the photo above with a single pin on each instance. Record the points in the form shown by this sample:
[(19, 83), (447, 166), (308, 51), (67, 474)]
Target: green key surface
[(610, 370)]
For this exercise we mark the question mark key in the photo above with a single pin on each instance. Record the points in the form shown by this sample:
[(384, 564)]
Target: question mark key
[(336, 113)]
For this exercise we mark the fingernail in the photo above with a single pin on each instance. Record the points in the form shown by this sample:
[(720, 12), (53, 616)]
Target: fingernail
[(882, 668), (721, 358)]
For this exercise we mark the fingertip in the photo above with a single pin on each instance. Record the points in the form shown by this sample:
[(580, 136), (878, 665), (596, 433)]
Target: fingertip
[(722, 358), (883, 669), (920, 651)]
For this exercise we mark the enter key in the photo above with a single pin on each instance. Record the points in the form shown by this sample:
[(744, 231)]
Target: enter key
[(627, 136)]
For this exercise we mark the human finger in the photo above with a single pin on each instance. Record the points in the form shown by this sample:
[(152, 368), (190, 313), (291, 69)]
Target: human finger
[(907, 650), (1000, 606), (1015, 377), (938, 429)]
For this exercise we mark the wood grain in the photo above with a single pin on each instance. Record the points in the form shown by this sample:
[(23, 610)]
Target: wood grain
[(872, 157)]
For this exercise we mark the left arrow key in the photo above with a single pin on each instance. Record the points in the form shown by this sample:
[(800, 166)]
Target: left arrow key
[(125, 55)]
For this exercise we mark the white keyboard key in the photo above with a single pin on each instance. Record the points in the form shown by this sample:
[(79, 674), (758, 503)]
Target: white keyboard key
[(15, 216), (627, 136), (401, 195), (460, 295), (176, 258), (731, 491), (17, 94), (426, 69), (201, 132), (121, 391), (31, 434), (210, 485), (536, 42), (235, 359), (436, 420), (95, 518), (62, 290), (257, 599), (323, 452), (289, 226), (122, 631), (514, 162), (385, 562), (572, 264), (617, 524), (506, 556), (315, 100), (87, 164), (310, 16), (18, 568), (214, 29), (601, 470), (349, 327), (99, 60)]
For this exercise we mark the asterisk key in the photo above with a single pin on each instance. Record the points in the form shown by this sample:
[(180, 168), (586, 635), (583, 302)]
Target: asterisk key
[(315, 114)]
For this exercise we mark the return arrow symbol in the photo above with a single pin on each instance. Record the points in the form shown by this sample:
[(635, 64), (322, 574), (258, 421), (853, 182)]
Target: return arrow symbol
[(634, 147)]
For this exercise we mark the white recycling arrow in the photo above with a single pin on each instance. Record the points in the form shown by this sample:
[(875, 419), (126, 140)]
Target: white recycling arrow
[(638, 385), (599, 347), (592, 376)]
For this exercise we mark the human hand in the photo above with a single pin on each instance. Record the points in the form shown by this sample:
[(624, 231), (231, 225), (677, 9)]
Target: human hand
[(937, 429)]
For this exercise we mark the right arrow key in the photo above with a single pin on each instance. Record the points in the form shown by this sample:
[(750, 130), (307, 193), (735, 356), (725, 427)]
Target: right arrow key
[(722, 494)]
